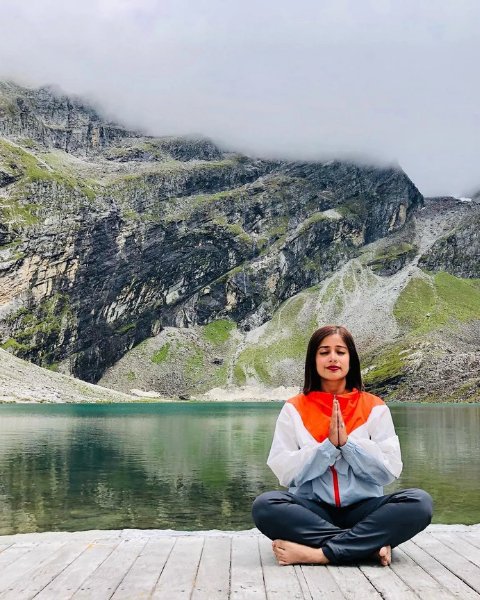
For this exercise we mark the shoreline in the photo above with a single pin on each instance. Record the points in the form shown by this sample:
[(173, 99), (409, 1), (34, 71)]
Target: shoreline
[(198, 400), (33, 536)]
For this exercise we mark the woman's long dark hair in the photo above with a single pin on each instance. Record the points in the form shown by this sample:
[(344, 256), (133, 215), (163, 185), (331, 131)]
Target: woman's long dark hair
[(313, 381)]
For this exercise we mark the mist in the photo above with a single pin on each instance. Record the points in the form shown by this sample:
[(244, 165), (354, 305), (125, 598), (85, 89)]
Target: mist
[(392, 82)]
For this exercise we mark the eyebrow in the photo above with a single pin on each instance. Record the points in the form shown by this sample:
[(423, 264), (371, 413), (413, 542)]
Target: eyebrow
[(337, 346)]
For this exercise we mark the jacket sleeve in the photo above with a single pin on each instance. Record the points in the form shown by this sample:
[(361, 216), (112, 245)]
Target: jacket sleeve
[(377, 459), (294, 465)]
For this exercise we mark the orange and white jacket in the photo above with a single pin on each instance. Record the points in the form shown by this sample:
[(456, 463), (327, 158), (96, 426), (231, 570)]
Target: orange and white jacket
[(305, 461)]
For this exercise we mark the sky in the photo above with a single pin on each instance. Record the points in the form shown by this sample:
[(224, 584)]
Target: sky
[(375, 80)]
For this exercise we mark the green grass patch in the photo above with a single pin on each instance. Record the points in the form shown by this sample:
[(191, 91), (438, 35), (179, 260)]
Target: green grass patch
[(218, 331), (195, 363), (355, 208), (285, 338), (387, 255), (35, 329), (388, 365), (14, 212), (125, 328), (312, 220), (416, 301), (395, 250), (220, 375), (349, 281), (161, 355), (426, 304), (16, 347), (331, 291), (234, 229), (34, 170)]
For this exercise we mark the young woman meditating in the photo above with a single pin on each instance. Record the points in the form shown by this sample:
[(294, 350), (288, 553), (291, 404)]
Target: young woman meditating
[(335, 448)]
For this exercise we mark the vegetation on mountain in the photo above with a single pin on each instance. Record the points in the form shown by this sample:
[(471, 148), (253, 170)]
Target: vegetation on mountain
[(173, 264)]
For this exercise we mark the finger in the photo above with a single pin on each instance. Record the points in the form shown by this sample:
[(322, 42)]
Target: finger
[(339, 426), (334, 414)]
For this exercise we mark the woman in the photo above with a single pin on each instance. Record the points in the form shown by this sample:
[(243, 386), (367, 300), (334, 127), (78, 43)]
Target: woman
[(335, 448)]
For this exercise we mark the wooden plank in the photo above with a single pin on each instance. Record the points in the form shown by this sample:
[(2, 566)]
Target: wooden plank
[(445, 577), (28, 587), (140, 581), (280, 582), (465, 548), (437, 564), (423, 584), (178, 576), (454, 562), (473, 538), (22, 567), (352, 583), (13, 553), (307, 595), (213, 576), (103, 582), (321, 584), (69, 580), (22, 539), (246, 575), (387, 582)]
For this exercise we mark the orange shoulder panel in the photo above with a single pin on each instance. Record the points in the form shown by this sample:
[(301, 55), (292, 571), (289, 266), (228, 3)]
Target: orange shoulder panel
[(315, 416), (315, 410), (357, 415)]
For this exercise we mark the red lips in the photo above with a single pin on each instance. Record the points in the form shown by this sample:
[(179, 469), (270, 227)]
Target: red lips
[(333, 368)]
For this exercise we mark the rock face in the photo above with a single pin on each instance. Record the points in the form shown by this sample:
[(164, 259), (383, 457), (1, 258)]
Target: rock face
[(108, 236), (458, 251), (417, 331)]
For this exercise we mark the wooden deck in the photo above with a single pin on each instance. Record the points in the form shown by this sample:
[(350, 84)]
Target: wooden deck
[(442, 562)]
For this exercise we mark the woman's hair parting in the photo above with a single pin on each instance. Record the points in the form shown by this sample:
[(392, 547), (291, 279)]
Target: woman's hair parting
[(312, 380)]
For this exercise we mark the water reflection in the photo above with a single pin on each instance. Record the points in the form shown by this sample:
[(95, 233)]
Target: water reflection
[(194, 466), (441, 453)]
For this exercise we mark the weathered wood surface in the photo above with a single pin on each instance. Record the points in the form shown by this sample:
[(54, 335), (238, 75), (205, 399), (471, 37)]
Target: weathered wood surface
[(443, 562)]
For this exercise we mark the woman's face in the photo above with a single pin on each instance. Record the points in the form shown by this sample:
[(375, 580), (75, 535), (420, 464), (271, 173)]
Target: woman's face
[(332, 358)]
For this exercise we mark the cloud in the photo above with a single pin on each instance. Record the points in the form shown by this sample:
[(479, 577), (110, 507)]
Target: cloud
[(391, 80)]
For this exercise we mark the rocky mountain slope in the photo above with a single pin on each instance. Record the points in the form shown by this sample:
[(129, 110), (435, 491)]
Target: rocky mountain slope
[(22, 381), (170, 265), (418, 331)]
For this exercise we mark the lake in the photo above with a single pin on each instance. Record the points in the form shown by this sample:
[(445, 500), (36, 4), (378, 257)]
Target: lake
[(193, 466)]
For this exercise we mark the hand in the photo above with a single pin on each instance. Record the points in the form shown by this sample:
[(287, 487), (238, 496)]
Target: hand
[(337, 433)]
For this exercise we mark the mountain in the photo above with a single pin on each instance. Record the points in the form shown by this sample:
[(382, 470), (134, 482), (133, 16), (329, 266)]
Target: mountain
[(173, 265), (22, 381)]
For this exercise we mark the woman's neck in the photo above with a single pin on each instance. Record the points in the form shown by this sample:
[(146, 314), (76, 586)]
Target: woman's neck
[(334, 387)]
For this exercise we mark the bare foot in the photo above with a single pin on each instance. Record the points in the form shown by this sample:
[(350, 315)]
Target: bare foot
[(290, 553), (384, 555)]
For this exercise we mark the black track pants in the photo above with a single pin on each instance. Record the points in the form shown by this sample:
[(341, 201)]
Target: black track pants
[(348, 533)]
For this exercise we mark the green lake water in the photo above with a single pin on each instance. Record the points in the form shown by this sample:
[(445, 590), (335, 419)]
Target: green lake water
[(195, 466)]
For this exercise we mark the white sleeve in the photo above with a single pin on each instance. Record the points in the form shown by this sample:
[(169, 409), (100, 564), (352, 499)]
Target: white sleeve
[(292, 464), (378, 458)]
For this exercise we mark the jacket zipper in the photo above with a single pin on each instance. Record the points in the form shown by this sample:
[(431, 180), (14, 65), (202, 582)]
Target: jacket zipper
[(336, 489)]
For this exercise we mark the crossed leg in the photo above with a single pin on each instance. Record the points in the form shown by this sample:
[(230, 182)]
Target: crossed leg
[(290, 553), (305, 531)]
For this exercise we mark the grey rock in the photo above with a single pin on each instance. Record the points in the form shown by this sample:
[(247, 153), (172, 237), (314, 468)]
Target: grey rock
[(151, 232)]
